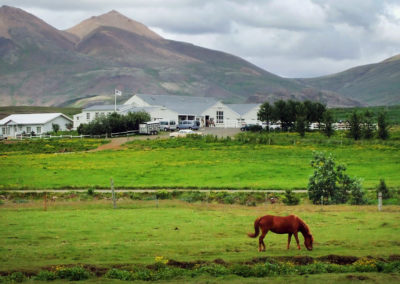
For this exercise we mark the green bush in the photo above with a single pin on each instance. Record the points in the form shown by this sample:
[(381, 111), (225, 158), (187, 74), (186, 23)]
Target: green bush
[(383, 189), (46, 275), (118, 274), (213, 269), (16, 277), (75, 273), (242, 270), (290, 198)]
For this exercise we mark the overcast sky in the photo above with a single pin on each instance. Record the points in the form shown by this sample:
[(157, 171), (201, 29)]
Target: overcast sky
[(291, 38)]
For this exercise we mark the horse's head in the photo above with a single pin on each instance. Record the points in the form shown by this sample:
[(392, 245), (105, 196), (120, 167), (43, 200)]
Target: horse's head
[(308, 241)]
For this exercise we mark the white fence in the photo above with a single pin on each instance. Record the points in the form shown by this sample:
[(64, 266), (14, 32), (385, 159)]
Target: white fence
[(46, 136)]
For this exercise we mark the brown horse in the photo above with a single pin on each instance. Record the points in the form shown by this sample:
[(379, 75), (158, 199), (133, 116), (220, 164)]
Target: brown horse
[(282, 225)]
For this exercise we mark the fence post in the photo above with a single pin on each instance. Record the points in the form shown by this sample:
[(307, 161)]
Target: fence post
[(45, 201), (322, 200), (266, 199), (113, 194), (379, 201)]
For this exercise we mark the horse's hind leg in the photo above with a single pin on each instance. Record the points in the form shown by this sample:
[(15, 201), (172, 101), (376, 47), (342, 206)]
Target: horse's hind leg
[(261, 244), (288, 240), (297, 240)]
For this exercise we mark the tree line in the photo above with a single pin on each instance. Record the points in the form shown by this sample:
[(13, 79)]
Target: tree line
[(297, 116), (114, 123)]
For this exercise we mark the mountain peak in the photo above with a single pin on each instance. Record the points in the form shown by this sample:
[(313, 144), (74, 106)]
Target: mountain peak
[(112, 19)]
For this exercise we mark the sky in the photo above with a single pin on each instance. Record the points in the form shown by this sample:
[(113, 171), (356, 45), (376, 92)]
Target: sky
[(291, 38)]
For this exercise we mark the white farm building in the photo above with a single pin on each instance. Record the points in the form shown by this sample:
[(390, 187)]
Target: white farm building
[(208, 111), (39, 123)]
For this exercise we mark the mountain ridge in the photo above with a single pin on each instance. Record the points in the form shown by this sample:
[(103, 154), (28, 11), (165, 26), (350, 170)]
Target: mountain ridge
[(82, 65)]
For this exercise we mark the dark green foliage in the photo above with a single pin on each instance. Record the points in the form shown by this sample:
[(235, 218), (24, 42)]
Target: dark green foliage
[(118, 274), (327, 121), (265, 113), (368, 127), (46, 275), (254, 128), (69, 126), (55, 127), (383, 189), (354, 121), (90, 191), (16, 277), (75, 273), (383, 127), (332, 184), (290, 198), (114, 123)]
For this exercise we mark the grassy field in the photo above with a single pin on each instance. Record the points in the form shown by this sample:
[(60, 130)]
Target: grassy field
[(196, 164), (138, 232)]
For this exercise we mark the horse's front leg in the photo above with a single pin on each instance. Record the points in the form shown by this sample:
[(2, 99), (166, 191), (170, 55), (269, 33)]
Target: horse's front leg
[(288, 240), (261, 244), (297, 240)]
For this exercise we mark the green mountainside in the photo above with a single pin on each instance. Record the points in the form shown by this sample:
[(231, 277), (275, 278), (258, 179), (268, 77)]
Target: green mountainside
[(40, 65), (374, 84)]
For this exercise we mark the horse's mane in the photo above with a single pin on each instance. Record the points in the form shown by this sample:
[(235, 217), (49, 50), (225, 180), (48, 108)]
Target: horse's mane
[(304, 228)]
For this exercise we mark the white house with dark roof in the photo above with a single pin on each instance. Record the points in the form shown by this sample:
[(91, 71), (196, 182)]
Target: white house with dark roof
[(39, 123)]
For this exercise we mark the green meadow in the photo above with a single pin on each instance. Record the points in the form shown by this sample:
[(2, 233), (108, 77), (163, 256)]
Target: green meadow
[(140, 233), (277, 161)]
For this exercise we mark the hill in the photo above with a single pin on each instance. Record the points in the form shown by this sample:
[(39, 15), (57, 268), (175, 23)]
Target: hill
[(374, 84), (81, 66)]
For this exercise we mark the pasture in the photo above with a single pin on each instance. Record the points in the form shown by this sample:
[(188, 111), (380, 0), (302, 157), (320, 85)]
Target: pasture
[(278, 161), (91, 233)]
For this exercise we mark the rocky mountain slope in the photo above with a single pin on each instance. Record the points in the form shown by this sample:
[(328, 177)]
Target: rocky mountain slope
[(41, 65), (374, 84)]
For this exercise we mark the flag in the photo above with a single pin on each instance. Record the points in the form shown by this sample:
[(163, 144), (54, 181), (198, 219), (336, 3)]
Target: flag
[(118, 92)]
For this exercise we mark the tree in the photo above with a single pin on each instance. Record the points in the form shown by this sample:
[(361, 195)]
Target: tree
[(355, 125), (55, 127), (290, 198), (69, 126), (265, 113), (383, 126), (327, 123), (383, 189), (368, 126), (319, 111), (331, 183), (280, 113), (301, 119)]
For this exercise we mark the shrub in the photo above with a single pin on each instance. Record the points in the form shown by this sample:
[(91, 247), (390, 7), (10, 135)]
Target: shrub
[(213, 270), (290, 198), (163, 194), (16, 277), (46, 275), (118, 274), (384, 189), (242, 270), (90, 191), (73, 273)]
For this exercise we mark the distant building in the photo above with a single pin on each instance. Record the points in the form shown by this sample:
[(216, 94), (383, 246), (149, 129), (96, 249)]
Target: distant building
[(39, 123), (208, 111)]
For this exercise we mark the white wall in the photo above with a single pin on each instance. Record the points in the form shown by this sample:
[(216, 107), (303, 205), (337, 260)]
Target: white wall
[(82, 117), (230, 118), (251, 116)]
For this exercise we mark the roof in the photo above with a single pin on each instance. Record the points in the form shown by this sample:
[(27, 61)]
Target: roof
[(242, 109), (103, 108), (32, 118), (137, 109), (180, 104)]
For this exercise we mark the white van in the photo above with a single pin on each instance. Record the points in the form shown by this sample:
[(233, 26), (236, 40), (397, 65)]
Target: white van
[(168, 125)]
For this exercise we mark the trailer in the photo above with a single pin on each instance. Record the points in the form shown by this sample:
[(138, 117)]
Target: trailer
[(149, 128)]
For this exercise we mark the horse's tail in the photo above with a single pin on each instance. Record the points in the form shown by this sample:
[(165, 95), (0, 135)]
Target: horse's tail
[(256, 228)]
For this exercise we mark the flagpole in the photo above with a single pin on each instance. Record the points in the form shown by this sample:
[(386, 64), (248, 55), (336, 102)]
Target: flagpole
[(115, 101)]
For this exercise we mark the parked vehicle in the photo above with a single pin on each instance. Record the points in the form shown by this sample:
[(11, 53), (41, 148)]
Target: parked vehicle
[(251, 127), (189, 124), (183, 133), (150, 128), (168, 125)]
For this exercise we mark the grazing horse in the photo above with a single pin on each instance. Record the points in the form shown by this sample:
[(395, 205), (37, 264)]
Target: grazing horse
[(282, 225)]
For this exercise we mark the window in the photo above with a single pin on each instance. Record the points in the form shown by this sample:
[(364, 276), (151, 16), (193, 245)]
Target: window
[(220, 116), (3, 130), (20, 128), (38, 130), (77, 118), (88, 115), (96, 115), (28, 129)]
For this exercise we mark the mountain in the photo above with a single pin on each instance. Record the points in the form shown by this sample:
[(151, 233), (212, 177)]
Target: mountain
[(374, 84), (41, 65)]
